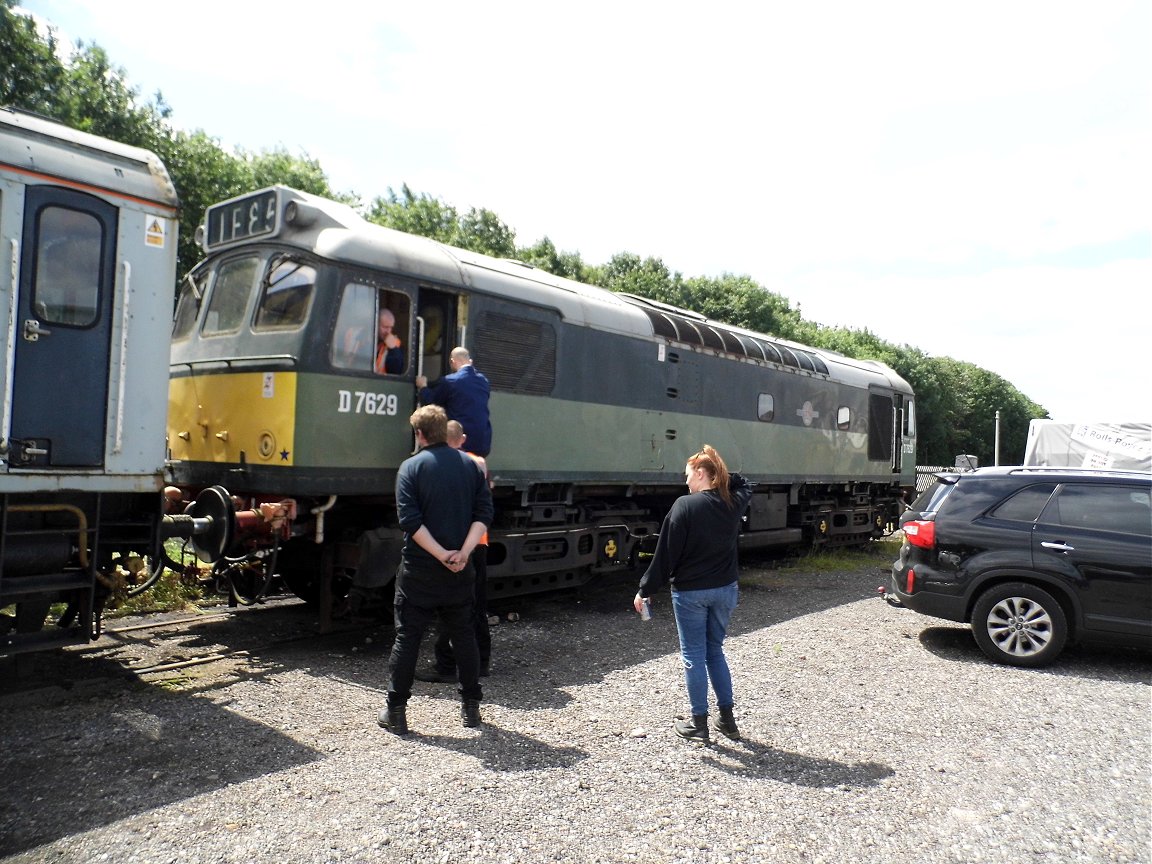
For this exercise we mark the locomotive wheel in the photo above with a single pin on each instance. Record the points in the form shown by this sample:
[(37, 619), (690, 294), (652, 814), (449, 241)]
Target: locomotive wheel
[(247, 582)]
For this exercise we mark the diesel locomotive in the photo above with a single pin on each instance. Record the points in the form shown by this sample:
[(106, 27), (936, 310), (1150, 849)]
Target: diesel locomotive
[(88, 228), (597, 400)]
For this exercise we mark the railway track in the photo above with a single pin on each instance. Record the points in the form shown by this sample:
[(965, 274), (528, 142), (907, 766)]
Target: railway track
[(186, 650)]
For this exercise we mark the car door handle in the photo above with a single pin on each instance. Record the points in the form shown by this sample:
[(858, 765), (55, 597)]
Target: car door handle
[(1057, 547)]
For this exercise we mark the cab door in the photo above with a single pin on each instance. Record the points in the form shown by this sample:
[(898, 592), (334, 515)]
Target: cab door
[(63, 330)]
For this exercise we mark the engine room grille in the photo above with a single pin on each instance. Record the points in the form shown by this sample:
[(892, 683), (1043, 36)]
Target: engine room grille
[(516, 354)]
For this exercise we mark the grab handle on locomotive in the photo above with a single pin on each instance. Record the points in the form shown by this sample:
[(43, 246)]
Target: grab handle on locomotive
[(33, 331)]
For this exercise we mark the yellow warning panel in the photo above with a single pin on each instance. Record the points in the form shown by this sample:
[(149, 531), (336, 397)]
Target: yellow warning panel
[(155, 232)]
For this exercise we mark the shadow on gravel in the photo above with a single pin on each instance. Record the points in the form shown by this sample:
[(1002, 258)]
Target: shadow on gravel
[(1099, 662), (501, 750), (118, 753), (577, 637), (752, 759)]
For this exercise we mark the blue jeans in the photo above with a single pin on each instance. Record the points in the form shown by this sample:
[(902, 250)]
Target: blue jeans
[(702, 622)]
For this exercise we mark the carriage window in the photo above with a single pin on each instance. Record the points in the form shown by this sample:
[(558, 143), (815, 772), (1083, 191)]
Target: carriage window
[(286, 296), (371, 328), (766, 407), (230, 290), (188, 306), (67, 289)]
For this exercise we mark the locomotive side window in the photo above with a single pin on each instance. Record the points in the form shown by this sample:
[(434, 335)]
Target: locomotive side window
[(766, 407), (285, 297), (371, 327), (67, 289), (230, 292)]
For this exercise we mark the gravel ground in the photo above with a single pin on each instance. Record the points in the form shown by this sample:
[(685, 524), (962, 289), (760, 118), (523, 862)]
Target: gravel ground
[(870, 734)]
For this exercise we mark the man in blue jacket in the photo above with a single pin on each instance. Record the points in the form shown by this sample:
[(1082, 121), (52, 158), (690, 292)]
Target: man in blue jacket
[(464, 395)]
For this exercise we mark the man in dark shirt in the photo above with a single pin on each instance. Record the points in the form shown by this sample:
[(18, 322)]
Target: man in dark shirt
[(444, 507), (464, 395)]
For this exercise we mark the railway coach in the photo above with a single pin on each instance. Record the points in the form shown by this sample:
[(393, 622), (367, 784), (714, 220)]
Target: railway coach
[(598, 399), (88, 231)]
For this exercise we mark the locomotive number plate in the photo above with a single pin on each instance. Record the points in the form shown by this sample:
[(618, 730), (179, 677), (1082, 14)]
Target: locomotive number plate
[(360, 402)]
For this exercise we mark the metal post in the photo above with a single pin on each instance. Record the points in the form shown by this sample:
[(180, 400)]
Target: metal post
[(996, 460)]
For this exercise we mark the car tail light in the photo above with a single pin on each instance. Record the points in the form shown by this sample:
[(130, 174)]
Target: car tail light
[(910, 584), (920, 533)]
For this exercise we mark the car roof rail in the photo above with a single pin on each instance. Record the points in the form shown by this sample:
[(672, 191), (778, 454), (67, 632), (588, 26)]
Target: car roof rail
[(1089, 472)]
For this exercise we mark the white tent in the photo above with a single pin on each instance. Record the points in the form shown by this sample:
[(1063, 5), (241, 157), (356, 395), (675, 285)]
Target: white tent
[(1120, 446)]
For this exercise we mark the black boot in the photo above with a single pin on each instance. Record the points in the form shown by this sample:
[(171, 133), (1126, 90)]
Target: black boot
[(695, 729), (394, 719), (470, 713), (726, 724)]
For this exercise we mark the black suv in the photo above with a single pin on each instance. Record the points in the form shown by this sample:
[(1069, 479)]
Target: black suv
[(1032, 558)]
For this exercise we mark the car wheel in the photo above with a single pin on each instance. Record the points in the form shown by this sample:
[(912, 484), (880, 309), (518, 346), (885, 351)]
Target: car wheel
[(1019, 624)]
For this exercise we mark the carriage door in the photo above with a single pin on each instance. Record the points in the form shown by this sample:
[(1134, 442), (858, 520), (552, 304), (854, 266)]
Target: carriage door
[(63, 330)]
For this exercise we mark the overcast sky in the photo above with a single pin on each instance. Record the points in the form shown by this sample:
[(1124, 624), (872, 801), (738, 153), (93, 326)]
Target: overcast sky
[(971, 179)]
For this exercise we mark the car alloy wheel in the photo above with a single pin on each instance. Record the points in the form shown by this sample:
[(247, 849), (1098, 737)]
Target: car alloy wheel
[(1019, 624)]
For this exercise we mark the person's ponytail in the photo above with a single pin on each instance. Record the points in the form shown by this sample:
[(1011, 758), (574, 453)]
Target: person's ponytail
[(713, 465)]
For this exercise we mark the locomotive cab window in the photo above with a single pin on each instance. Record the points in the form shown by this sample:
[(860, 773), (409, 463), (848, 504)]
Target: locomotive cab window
[(230, 291), (188, 306), (67, 289), (286, 296), (371, 330)]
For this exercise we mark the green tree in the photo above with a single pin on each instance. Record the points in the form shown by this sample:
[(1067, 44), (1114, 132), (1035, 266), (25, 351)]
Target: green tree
[(626, 273), (93, 95), (278, 166), (31, 74), (545, 256), (478, 230), (741, 302)]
